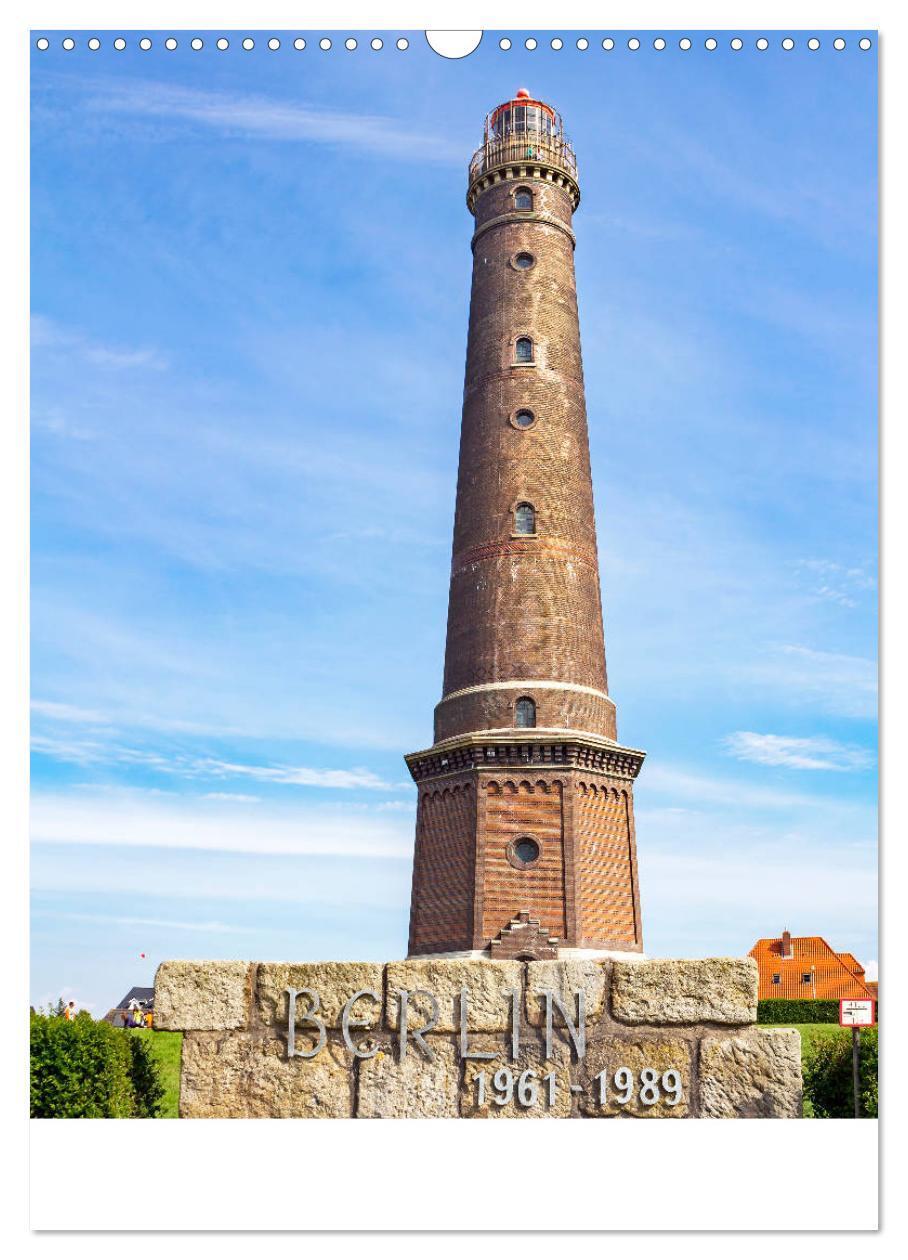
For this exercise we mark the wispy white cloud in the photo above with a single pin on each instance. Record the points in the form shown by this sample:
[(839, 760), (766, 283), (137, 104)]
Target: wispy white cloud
[(143, 819), (54, 419), (85, 751), (258, 117), (48, 335), (130, 712), (696, 902), (187, 925), (299, 776), (723, 862), (810, 753), (831, 682), (684, 788), (837, 583), (193, 878), (61, 712)]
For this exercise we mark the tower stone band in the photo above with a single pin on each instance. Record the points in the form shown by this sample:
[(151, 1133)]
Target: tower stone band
[(525, 841)]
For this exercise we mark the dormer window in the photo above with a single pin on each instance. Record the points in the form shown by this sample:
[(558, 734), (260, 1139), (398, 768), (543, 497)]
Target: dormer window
[(523, 199)]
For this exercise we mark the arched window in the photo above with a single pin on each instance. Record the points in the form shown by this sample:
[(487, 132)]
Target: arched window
[(525, 712), (524, 519), (523, 199), (524, 349)]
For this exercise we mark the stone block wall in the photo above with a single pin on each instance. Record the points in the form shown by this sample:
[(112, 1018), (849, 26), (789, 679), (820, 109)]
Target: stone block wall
[(480, 1039)]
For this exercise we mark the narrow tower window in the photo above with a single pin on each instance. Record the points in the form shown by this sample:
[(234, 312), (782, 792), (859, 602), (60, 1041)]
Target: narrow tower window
[(523, 199), (525, 712), (524, 350), (524, 519)]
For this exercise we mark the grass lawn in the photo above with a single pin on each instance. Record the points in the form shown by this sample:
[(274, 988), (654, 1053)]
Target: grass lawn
[(165, 1046), (812, 1033)]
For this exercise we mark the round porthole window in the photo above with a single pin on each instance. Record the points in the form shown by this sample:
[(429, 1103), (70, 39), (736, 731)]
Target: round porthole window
[(523, 261), (525, 851), (523, 419)]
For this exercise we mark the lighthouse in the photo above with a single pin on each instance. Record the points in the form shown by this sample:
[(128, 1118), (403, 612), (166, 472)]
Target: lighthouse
[(525, 841)]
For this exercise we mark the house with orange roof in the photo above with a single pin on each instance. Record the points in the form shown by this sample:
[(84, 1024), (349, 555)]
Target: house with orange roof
[(807, 967)]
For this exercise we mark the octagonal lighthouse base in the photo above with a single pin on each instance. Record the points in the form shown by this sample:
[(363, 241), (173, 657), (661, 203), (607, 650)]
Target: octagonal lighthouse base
[(525, 847)]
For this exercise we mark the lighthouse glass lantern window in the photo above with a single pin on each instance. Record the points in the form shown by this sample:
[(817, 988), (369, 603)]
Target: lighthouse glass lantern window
[(519, 119), (524, 350), (525, 519), (525, 712)]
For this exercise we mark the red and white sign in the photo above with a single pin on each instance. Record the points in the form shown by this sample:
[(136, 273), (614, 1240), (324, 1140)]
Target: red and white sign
[(856, 1012)]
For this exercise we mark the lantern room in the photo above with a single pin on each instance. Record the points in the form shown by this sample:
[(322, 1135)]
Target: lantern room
[(521, 116), (523, 139)]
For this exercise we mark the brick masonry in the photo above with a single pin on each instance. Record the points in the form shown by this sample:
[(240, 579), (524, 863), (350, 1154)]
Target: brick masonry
[(693, 1018), (524, 617), (524, 608)]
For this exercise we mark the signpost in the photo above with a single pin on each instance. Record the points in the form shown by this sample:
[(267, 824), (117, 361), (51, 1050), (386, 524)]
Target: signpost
[(856, 1013)]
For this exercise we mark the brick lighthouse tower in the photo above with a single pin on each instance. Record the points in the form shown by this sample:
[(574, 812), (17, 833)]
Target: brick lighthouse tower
[(525, 841)]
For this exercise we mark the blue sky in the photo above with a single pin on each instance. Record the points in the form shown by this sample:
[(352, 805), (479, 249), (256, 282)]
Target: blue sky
[(250, 280)]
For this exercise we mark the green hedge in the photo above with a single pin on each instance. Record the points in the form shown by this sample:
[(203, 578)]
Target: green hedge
[(796, 1011), (829, 1076), (84, 1069)]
